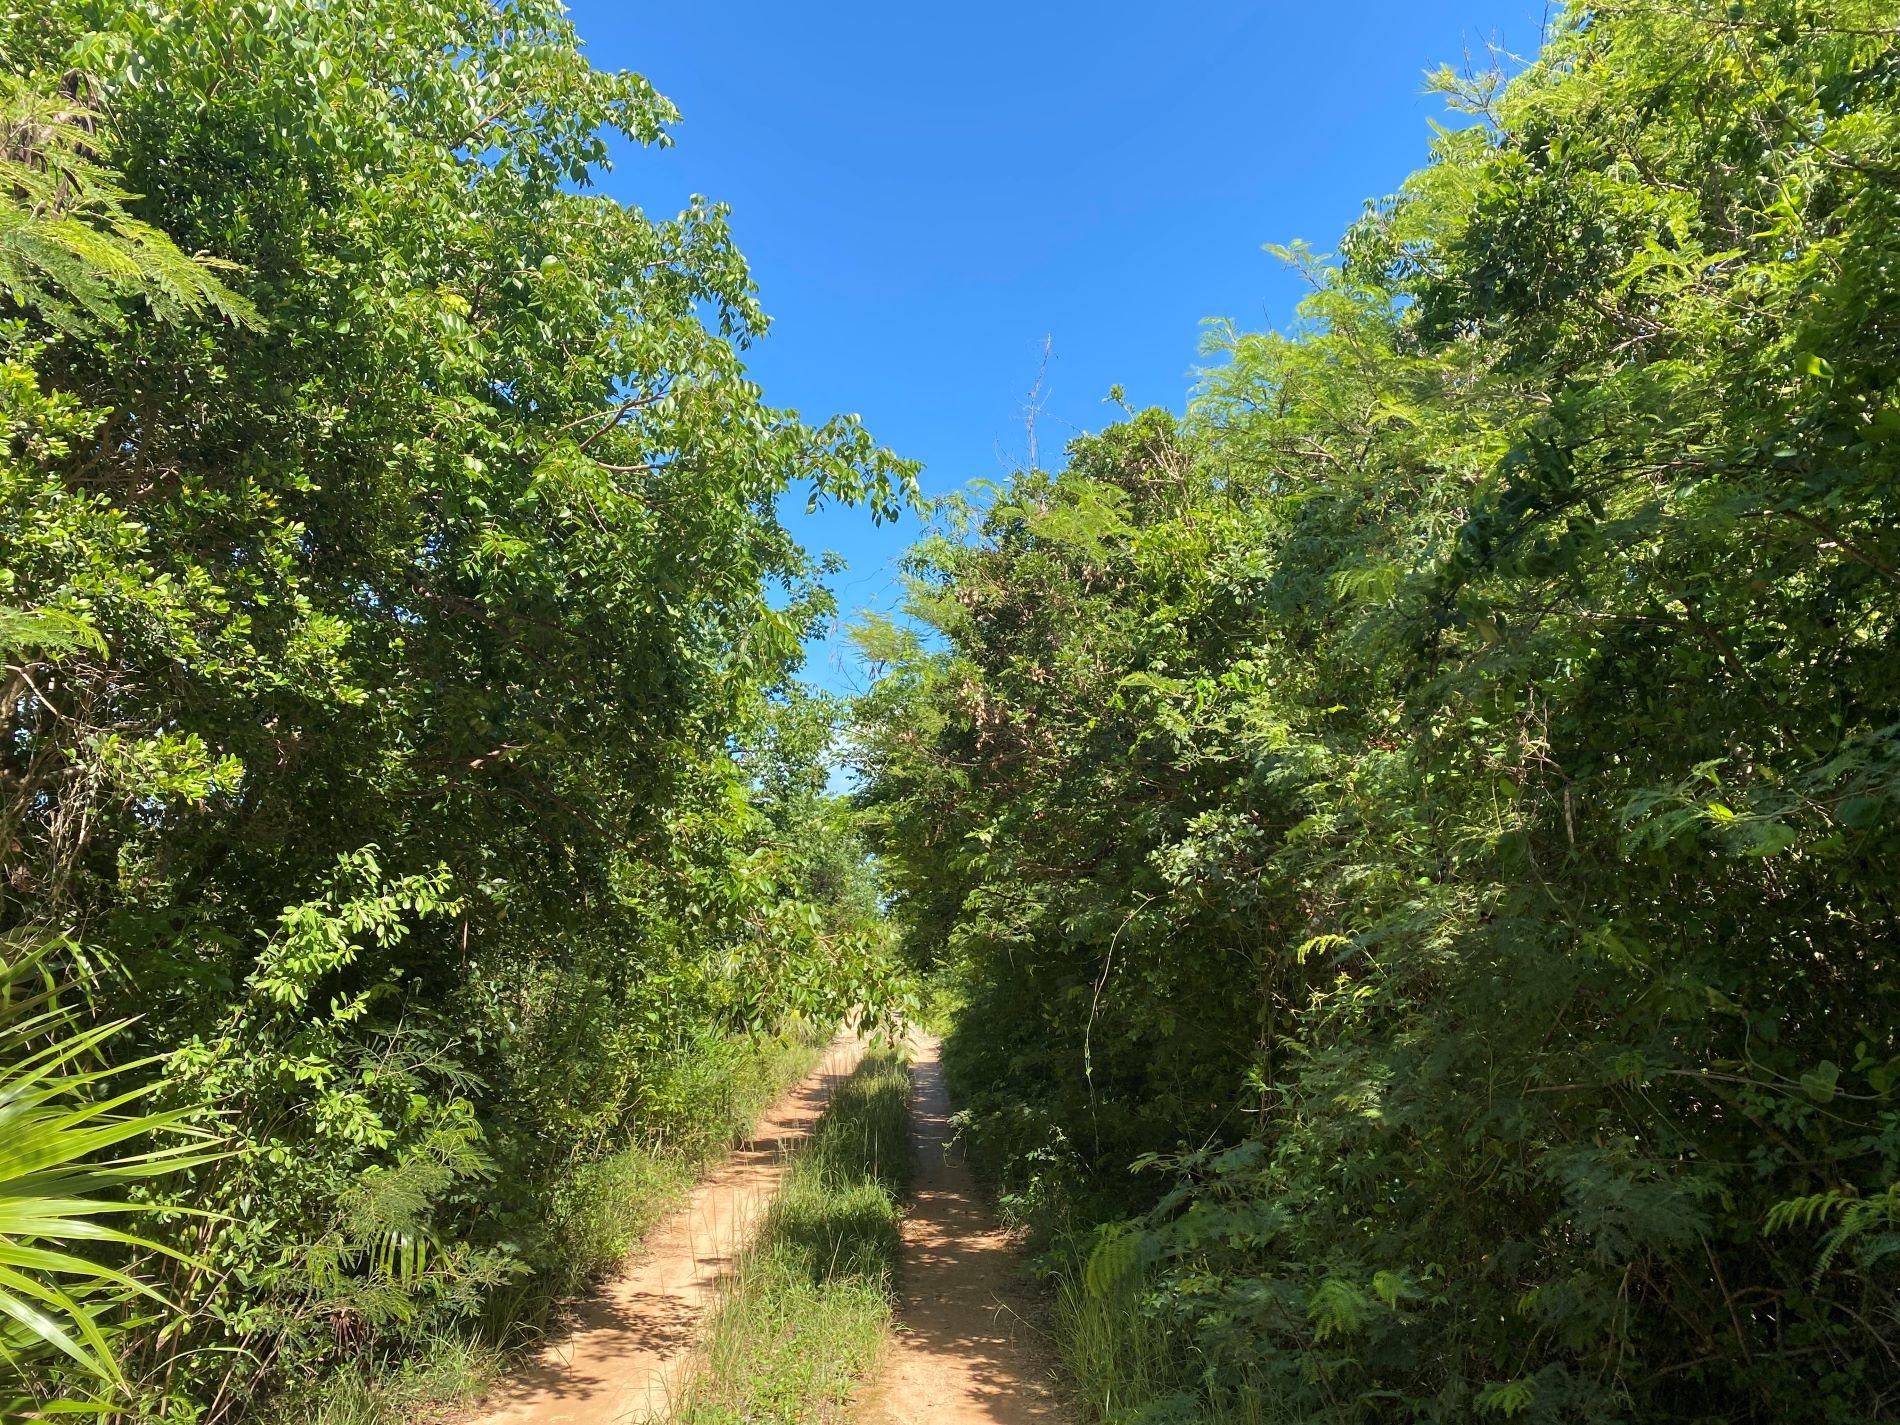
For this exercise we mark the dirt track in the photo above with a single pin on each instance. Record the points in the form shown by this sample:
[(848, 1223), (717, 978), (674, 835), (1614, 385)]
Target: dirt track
[(629, 1344), (967, 1352)]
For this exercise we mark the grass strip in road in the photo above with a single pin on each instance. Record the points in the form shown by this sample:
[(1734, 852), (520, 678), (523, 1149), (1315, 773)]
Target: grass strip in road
[(806, 1315)]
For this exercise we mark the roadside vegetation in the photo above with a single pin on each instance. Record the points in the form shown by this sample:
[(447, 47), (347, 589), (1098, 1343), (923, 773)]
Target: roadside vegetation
[(595, 1221), (409, 822), (1404, 850), (1416, 836), (803, 1321)]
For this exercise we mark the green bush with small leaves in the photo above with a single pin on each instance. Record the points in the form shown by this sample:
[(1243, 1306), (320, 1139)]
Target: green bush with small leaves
[(1419, 833), (398, 631)]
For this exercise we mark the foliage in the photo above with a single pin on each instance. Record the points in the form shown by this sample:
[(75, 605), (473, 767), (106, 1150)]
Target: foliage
[(398, 629), (1431, 812), (70, 250), (74, 1137)]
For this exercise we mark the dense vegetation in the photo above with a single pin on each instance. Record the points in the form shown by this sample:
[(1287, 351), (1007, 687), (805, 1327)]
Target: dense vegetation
[(402, 796), (1432, 811), (1413, 838)]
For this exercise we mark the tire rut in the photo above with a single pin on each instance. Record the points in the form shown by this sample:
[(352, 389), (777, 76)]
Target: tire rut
[(626, 1347), (966, 1350)]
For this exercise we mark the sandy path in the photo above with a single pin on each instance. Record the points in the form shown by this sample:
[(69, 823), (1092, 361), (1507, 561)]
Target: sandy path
[(966, 1352), (630, 1342)]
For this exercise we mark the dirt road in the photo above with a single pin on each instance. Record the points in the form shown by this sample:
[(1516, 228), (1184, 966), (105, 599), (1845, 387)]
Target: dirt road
[(629, 1343), (966, 1351)]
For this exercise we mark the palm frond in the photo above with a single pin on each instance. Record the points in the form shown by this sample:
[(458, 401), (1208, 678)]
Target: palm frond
[(72, 1135)]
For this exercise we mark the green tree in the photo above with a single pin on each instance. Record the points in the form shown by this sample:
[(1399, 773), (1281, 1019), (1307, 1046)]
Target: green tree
[(393, 582), (1434, 810)]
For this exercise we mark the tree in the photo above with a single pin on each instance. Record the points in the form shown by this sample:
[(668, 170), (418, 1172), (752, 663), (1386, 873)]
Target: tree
[(391, 547), (1433, 812)]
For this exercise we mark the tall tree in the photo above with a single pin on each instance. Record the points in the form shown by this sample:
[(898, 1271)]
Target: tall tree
[(392, 570)]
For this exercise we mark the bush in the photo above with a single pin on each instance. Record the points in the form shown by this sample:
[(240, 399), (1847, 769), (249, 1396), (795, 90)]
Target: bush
[(1420, 829)]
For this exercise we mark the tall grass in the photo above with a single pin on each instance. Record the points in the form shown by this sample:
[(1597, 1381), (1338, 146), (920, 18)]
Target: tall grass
[(1120, 1360), (693, 1114), (450, 1372), (806, 1315), (1129, 1363)]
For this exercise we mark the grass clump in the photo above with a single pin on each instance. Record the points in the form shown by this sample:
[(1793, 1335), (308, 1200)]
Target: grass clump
[(450, 1372), (603, 1210), (806, 1315), (1127, 1362), (1119, 1358)]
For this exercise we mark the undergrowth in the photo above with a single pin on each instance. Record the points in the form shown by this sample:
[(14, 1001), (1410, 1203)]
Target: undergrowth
[(707, 1103), (449, 1372), (597, 1214), (805, 1316)]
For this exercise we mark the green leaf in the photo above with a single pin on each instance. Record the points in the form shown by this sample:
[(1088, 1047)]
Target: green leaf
[(1820, 1082)]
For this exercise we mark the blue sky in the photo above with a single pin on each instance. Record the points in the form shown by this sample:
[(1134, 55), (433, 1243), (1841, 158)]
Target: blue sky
[(926, 193)]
